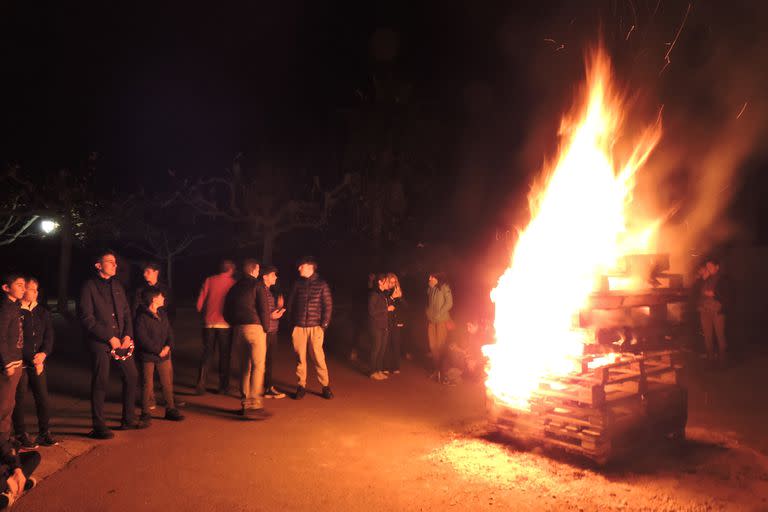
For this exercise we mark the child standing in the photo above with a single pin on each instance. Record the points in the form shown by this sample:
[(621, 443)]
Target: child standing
[(154, 342)]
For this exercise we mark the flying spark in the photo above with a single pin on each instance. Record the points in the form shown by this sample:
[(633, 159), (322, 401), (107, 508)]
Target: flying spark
[(742, 110)]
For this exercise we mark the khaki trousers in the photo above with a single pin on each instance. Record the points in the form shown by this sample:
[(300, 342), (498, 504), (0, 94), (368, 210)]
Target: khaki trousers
[(437, 334), (713, 324), (252, 342), (311, 337)]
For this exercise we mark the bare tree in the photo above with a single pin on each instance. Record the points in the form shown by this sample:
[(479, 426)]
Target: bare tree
[(264, 210)]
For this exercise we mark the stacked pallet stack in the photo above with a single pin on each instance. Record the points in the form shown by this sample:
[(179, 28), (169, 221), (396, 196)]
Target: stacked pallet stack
[(603, 412)]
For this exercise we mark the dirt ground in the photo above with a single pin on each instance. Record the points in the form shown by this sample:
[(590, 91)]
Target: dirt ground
[(403, 444)]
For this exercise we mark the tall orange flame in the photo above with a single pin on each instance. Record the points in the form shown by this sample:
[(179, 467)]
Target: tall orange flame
[(577, 232)]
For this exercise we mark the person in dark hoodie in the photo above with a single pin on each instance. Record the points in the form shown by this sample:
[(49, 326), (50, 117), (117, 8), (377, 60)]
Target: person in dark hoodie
[(15, 473), (38, 345), (11, 343), (378, 321), (246, 308), (269, 276), (108, 329), (310, 306), (154, 342)]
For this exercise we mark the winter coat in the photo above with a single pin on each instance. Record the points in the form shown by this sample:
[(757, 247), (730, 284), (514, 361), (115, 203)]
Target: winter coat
[(210, 301), (38, 332), (378, 316), (247, 303), (11, 333), (104, 311), (153, 332), (439, 303), (310, 303)]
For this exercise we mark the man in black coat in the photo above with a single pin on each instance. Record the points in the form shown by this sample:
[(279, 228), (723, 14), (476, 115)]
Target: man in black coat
[(309, 307), (105, 315), (246, 309)]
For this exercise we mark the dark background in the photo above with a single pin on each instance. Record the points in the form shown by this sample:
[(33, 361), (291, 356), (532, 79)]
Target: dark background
[(186, 88)]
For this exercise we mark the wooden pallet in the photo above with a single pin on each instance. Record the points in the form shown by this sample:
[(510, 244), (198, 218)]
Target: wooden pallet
[(594, 412)]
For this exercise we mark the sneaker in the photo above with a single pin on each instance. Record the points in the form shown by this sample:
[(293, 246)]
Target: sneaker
[(46, 439), (30, 483), (145, 418), (101, 433), (256, 414), (396, 372), (300, 392), (173, 415), (377, 376), (6, 500), (25, 443), (136, 425), (272, 392), (385, 372), (327, 393), (180, 404), (200, 391)]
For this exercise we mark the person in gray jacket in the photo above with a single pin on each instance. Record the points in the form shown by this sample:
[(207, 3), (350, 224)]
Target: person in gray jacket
[(439, 322)]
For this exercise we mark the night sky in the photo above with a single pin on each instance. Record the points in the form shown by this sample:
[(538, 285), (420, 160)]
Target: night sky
[(188, 86)]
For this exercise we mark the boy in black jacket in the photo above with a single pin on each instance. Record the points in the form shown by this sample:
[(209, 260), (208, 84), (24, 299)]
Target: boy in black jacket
[(11, 343), (154, 342), (38, 345)]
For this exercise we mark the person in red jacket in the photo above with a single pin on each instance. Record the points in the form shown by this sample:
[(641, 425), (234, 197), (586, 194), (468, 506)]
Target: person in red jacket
[(216, 330)]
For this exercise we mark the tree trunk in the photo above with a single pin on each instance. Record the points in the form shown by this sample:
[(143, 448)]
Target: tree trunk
[(65, 260), (268, 247), (169, 271)]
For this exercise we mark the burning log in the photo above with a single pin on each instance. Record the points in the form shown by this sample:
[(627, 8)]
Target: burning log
[(603, 412)]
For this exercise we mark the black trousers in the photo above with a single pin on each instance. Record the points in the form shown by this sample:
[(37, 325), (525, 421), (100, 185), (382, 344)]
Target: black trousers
[(101, 361), (39, 386), (271, 352), (221, 339), (392, 355)]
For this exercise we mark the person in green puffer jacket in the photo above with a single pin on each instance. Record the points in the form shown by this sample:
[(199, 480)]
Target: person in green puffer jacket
[(439, 322)]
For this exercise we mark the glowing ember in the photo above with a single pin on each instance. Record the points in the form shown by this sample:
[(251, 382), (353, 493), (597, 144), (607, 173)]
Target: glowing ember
[(577, 233)]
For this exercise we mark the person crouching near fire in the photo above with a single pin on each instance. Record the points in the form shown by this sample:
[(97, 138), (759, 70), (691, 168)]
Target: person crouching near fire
[(38, 345), (154, 342)]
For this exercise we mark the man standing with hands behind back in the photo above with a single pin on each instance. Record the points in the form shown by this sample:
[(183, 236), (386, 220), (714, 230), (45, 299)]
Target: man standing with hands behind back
[(108, 328)]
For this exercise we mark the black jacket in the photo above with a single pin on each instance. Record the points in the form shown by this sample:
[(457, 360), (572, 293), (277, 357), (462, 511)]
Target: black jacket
[(11, 334), (104, 311), (247, 303), (38, 332), (170, 304), (310, 303), (378, 316), (152, 334)]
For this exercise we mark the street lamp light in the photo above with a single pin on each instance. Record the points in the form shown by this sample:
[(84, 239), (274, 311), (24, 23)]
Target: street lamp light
[(48, 226)]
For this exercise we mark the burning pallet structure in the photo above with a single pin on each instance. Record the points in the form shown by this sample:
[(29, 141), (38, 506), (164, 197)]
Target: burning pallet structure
[(605, 410)]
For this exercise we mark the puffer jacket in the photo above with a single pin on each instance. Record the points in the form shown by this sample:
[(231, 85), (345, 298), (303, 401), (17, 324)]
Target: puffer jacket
[(247, 304), (439, 303), (310, 303)]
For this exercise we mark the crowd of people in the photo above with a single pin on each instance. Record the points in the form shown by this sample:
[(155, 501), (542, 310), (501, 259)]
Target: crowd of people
[(134, 335)]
